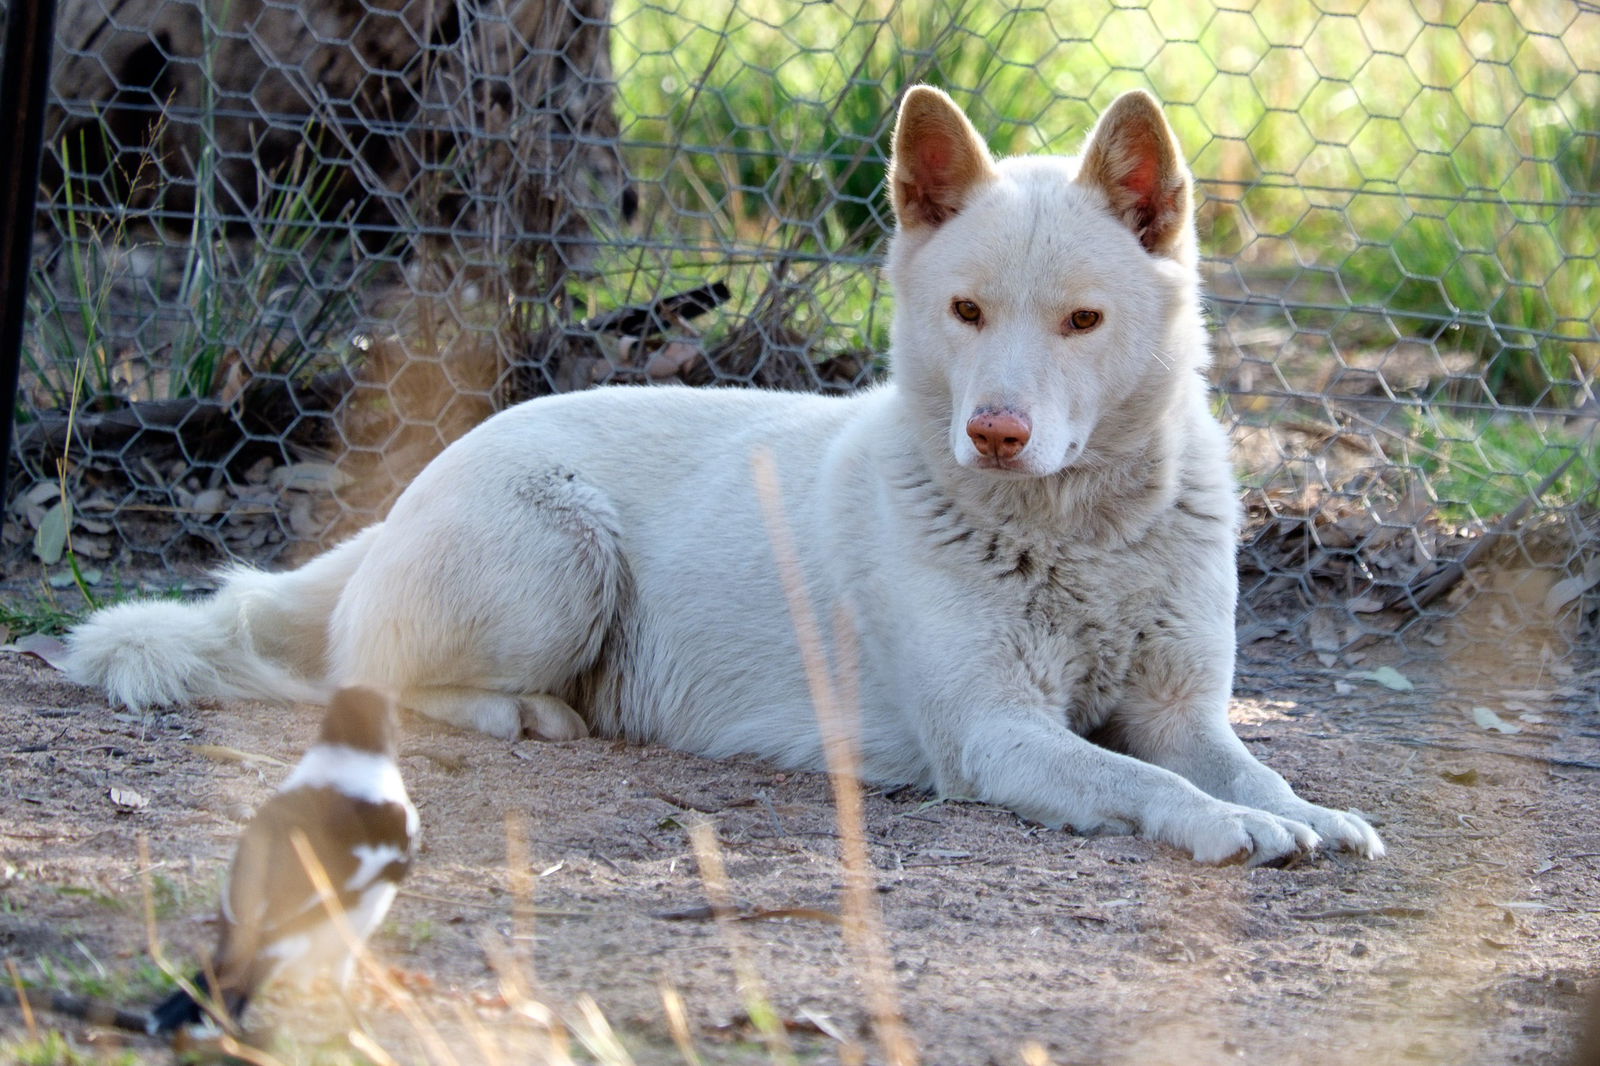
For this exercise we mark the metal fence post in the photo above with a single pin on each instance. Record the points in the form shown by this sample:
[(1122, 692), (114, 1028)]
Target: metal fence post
[(24, 83)]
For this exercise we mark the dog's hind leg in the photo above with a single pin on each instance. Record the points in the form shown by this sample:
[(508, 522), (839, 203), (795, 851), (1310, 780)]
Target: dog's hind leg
[(540, 716), (485, 601)]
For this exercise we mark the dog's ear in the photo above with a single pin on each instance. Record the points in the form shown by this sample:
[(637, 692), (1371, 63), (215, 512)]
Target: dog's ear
[(938, 159), (1135, 158)]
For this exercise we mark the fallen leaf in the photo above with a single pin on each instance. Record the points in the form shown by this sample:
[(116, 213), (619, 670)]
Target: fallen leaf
[(1566, 590), (1487, 719), (41, 646), (223, 753), (1387, 676), (128, 798), (51, 537)]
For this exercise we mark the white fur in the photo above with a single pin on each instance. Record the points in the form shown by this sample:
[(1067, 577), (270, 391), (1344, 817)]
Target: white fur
[(607, 550)]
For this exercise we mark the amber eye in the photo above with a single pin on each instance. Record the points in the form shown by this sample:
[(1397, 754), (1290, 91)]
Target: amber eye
[(967, 311), (1083, 319)]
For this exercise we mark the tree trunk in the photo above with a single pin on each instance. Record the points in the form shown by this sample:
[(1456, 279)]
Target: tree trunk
[(489, 117)]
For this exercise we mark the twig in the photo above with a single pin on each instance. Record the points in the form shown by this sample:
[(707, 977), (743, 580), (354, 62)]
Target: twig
[(765, 914), (658, 316), (1362, 912), (206, 424), (538, 912)]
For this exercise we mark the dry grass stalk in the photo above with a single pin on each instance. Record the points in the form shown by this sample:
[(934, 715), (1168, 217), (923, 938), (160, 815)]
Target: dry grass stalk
[(838, 708), (22, 999), (714, 875), (678, 1024)]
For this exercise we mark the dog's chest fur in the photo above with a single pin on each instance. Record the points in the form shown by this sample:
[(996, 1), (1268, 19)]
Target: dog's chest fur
[(1074, 616)]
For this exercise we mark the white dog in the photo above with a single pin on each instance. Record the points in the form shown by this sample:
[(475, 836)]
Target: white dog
[(1031, 526)]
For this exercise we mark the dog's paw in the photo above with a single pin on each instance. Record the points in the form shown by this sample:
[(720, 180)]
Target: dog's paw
[(1340, 830), (1234, 834), (548, 718)]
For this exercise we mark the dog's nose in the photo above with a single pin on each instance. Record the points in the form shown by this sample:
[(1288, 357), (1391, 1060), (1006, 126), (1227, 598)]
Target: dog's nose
[(999, 434)]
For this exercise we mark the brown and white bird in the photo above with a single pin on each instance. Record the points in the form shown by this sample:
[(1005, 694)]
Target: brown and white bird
[(346, 803)]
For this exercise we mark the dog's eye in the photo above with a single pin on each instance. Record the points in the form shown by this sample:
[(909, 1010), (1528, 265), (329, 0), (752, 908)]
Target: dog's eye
[(1083, 320), (967, 311)]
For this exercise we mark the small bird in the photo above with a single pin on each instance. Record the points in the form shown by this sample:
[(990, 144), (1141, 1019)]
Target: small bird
[(344, 804)]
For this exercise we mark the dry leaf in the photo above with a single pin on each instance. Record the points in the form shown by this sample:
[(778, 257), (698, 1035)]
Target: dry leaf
[(223, 753), (41, 646), (128, 799), (1487, 719), (1568, 589), (1388, 677)]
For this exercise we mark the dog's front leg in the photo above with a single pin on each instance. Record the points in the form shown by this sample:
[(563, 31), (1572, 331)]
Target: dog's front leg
[(1022, 759), (1183, 727)]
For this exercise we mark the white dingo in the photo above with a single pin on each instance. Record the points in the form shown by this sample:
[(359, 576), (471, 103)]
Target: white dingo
[(1031, 523)]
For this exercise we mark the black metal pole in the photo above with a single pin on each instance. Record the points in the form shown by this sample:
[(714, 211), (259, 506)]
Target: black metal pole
[(24, 83)]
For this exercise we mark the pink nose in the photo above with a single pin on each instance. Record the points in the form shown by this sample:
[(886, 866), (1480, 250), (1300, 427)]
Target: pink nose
[(999, 434)]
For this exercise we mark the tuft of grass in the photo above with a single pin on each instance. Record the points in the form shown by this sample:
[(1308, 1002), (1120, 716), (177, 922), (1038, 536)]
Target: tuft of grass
[(271, 305), (41, 612), (86, 975), (1485, 466), (52, 1048)]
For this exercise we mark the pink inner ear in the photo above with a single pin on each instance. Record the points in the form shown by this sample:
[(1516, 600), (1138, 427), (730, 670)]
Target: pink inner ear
[(1144, 170), (933, 159), (1143, 177)]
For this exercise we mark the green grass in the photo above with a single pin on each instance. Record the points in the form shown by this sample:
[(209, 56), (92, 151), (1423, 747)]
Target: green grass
[(1483, 467), (1439, 176), (85, 975), (51, 1048), (38, 613)]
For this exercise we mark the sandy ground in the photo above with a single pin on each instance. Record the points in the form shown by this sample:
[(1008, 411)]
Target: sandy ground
[(1475, 941)]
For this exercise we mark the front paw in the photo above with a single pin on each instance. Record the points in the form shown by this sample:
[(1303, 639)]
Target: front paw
[(1339, 830), (1227, 833)]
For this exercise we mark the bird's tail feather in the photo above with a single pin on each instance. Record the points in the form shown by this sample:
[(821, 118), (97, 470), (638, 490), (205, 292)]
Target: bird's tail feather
[(181, 1009)]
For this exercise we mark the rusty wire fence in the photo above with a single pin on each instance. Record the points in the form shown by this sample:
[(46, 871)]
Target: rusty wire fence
[(287, 251)]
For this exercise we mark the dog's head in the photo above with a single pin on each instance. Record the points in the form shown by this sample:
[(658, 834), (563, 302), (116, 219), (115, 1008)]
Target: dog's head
[(1037, 295)]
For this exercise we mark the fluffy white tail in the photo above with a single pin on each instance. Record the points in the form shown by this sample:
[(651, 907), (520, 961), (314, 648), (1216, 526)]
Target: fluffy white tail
[(260, 636)]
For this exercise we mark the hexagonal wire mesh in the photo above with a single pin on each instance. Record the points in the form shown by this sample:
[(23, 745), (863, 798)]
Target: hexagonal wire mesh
[(289, 251)]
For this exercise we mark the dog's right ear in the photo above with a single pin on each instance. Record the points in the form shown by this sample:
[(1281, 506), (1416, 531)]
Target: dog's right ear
[(938, 159)]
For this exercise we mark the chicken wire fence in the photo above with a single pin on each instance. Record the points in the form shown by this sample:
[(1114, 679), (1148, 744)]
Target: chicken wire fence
[(287, 251)]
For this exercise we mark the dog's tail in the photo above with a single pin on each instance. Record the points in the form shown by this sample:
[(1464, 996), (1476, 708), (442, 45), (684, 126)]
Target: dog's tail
[(260, 636)]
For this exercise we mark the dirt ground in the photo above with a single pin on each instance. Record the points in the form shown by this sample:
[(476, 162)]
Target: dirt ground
[(1474, 942)]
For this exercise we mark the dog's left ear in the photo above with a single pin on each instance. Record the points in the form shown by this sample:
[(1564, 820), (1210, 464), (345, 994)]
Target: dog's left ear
[(939, 159), (1134, 157)]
